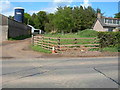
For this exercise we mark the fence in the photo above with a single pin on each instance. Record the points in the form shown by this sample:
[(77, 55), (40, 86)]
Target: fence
[(64, 44)]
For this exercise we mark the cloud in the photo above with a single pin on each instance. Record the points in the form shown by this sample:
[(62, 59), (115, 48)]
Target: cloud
[(57, 3), (33, 11), (9, 13), (62, 2), (86, 3), (6, 8), (49, 10), (5, 5), (53, 8)]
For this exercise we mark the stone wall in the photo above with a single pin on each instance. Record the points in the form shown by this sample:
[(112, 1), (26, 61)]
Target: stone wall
[(17, 29), (3, 27), (12, 28)]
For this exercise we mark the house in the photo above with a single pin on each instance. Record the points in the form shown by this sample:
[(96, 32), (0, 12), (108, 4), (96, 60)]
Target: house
[(106, 24), (36, 31)]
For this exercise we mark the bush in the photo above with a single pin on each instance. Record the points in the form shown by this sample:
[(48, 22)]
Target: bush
[(109, 39), (88, 33)]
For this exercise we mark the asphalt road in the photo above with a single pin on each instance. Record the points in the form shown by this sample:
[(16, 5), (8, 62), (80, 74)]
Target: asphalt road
[(60, 73)]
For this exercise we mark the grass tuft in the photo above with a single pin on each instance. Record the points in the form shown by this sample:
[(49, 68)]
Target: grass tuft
[(40, 49)]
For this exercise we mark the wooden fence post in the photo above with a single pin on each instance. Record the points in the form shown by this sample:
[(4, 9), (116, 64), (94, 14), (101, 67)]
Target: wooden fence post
[(49, 44), (32, 40), (59, 44), (42, 41), (75, 41)]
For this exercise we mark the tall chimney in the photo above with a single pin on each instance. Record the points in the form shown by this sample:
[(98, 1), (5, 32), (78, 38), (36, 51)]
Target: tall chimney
[(99, 13)]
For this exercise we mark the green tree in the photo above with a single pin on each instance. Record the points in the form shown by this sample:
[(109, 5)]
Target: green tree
[(63, 19), (28, 19), (41, 19), (11, 17), (49, 26), (117, 15)]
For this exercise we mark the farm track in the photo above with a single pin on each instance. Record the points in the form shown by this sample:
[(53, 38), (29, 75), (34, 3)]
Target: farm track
[(21, 49)]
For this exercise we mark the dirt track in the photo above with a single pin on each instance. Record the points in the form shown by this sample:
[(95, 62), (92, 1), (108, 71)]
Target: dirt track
[(21, 49)]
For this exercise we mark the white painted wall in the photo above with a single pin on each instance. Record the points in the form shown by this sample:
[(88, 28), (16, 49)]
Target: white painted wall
[(98, 26)]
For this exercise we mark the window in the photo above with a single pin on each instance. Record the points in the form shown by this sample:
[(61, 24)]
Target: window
[(106, 20), (110, 29), (110, 21), (118, 21), (114, 21)]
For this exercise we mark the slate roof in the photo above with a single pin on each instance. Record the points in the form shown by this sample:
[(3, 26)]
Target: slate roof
[(101, 20)]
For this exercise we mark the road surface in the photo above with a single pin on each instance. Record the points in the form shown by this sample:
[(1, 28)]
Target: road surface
[(60, 73), (24, 68)]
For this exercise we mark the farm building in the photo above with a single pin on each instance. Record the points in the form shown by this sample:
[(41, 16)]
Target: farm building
[(12, 28), (106, 24), (36, 31)]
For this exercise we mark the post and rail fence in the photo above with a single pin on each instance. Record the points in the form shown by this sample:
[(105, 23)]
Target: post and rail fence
[(64, 44)]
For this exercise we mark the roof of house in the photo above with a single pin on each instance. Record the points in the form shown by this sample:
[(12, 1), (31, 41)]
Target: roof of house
[(101, 20)]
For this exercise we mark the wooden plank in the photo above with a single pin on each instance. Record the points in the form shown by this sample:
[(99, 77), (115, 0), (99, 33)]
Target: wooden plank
[(50, 41), (76, 48), (51, 37), (79, 45), (77, 38)]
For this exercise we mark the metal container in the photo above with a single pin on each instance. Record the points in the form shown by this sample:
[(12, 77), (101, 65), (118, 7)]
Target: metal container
[(19, 14)]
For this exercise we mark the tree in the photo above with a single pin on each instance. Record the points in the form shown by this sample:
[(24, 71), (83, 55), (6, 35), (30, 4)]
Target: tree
[(41, 19), (63, 19), (117, 15), (11, 17), (28, 19), (83, 18), (49, 26)]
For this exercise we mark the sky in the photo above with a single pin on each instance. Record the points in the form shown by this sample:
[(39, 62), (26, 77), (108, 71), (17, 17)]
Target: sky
[(109, 8)]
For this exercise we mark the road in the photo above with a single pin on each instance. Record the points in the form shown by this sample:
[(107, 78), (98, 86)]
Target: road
[(99, 72), (24, 68)]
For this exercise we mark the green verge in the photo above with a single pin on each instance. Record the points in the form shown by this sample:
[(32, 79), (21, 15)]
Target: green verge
[(107, 49), (39, 49), (20, 37), (111, 49)]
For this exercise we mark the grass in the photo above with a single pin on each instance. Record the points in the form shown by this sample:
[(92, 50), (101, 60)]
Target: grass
[(81, 34), (107, 49), (40, 49), (111, 49), (88, 33), (20, 37)]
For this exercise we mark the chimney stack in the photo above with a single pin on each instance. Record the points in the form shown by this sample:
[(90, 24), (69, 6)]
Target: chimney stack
[(99, 13)]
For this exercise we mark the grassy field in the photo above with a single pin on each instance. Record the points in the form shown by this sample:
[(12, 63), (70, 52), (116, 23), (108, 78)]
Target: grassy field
[(81, 34)]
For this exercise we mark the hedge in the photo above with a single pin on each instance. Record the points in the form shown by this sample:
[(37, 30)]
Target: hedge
[(109, 39)]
